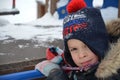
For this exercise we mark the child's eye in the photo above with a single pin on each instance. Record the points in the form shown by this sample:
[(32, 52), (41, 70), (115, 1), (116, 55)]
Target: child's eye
[(73, 49)]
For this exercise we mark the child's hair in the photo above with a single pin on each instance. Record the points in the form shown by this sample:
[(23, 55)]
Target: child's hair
[(85, 24)]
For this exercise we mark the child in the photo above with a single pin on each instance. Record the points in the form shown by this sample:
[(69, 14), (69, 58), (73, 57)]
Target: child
[(87, 52)]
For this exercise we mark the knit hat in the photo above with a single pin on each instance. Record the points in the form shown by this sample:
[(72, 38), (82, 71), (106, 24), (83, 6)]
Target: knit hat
[(85, 24)]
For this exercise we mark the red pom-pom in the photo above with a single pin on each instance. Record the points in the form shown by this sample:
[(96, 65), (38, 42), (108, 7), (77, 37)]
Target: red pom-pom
[(75, 5)]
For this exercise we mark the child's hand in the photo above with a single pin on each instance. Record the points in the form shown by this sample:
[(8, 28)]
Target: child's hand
[(54, 54), (46, 66)]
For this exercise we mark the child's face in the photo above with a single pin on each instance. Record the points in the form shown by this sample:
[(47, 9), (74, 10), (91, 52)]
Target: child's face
[(81, 54)]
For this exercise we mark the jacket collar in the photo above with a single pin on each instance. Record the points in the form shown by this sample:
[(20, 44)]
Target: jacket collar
[(111, 63)]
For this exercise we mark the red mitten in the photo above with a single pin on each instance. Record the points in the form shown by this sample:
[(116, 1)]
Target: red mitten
[(54, 54)]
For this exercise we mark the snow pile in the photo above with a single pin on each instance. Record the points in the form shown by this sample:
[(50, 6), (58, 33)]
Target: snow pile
[(3, 22), (30, 32), (48, 20)]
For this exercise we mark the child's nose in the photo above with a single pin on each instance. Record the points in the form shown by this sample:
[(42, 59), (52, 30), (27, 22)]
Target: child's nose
[(82, 55)]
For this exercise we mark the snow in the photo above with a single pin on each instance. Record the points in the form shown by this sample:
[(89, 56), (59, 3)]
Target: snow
[(46, 28), (3, 22), (27, 10), (109, 13), (62, 3), (47, 19), (98, 3), (59, 4), (29, 32), (8, 10), (41, 1)]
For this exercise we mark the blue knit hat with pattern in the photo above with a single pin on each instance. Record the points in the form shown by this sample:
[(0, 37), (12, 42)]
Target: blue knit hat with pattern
[(88, 26)]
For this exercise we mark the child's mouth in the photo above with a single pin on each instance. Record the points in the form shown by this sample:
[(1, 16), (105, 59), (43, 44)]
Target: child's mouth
[(86, 63)]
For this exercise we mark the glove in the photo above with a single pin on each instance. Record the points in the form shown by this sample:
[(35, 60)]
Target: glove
[(54, 54), (57, 74), (46, 66)]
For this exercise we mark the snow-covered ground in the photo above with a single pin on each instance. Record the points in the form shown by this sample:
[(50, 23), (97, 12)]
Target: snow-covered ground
[(21, 31)]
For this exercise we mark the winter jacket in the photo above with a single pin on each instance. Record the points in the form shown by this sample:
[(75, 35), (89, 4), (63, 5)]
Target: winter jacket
[(107, 69)]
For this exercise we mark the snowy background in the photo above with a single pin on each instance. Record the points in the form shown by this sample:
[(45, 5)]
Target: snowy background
[(24, 37)]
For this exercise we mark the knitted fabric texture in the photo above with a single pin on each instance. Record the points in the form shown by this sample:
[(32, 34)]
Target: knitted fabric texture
[(88, 26)]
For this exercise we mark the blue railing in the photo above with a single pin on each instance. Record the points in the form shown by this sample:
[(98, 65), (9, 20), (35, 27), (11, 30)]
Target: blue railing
[(26, 75)]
